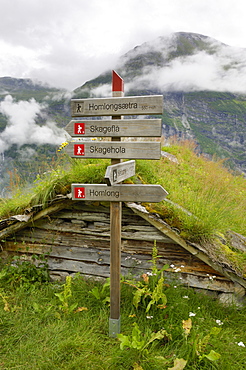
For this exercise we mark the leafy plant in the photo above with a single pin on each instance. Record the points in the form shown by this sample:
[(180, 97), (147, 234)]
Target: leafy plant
[(101, 294), (200, 343), (140, 341), (23, 272), (150, 288), (65, 297)]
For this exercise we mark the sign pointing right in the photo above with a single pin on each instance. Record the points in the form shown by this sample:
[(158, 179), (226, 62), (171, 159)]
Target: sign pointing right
[(119, 193)]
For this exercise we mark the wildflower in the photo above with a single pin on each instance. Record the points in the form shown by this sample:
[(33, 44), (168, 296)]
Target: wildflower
[(219, 322), (177, 270), (145, 278), (175, 286), (149, 317), (62, 146), (186, 296), (192, 314), (241, 344), (172, 266)]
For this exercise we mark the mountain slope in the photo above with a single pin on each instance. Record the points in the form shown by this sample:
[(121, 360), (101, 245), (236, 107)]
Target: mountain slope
[(202, 81)]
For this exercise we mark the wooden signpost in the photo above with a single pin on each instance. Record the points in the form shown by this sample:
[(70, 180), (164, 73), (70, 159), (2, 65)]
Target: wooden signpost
[(114, 192)]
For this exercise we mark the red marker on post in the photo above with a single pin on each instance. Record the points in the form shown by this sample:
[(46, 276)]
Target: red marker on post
[(117, 84)]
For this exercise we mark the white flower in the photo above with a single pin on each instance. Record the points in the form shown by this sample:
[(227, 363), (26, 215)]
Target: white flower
[(177, 270), (192, 314), (175, 286), (219, 322), (186, 296), (149, 317), (198, 308), (182, 266), (241, 344), (172, 266)]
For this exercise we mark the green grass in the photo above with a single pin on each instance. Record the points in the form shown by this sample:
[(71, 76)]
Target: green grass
[(205, 199), (37, 334)]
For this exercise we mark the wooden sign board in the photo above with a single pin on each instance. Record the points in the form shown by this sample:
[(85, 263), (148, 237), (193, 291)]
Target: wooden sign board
[(112, 128), (128, 105), (119, 193), (114, 149), (119, 172)]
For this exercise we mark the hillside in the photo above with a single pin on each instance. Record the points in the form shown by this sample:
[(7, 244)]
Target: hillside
[(201, 80), (203, 218), (197, 76)]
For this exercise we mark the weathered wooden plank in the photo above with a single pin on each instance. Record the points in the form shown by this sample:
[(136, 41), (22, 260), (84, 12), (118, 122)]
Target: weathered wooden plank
[(112, 128), (122, 192), (128, 217), (134, 232), (96, 263), (109, 149), (84, 216), (163, 227), (116, 106), (120, 172), (44, 212)]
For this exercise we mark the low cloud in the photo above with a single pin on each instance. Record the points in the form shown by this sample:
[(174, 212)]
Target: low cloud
[(22, 128), (223, 70)]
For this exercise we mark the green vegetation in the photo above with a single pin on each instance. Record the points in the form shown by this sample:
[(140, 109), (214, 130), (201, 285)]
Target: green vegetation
[(48, 325), (205, 200)]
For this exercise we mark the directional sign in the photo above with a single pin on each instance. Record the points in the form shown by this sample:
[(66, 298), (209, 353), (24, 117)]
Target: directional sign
[(119, 172), (128, 105), (111, 128), (114, 149), (119, 193)]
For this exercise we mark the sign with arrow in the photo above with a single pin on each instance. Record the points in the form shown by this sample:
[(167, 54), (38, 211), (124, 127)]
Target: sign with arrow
[(119, 193), (116, 127), (119, 172), (116, 106), (116, 149)]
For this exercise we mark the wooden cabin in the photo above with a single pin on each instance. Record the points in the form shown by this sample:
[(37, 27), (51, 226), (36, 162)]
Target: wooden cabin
[(75, 237)]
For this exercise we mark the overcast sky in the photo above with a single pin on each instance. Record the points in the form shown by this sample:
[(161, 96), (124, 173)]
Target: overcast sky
[(65, 43)]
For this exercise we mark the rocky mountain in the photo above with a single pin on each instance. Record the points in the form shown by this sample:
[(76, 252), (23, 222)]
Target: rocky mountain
[(204, 86), (203, 83)]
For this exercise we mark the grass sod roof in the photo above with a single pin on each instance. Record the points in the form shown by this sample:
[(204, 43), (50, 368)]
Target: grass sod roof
[(205, 209)]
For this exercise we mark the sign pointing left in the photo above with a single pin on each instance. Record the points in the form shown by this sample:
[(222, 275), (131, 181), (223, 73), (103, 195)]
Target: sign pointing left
[(119, 172)]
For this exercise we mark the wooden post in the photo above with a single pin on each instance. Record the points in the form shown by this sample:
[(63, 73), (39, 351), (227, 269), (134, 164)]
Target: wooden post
[(115, 234)]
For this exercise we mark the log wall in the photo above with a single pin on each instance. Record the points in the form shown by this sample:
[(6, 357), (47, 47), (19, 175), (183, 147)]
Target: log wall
[(77, 239)]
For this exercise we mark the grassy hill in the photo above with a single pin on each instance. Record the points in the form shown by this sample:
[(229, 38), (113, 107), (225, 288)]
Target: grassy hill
[(206, 202)]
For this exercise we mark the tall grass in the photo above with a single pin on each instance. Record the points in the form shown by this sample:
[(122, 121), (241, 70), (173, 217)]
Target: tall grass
[(210, 198), (206, 189), (36, 334)]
